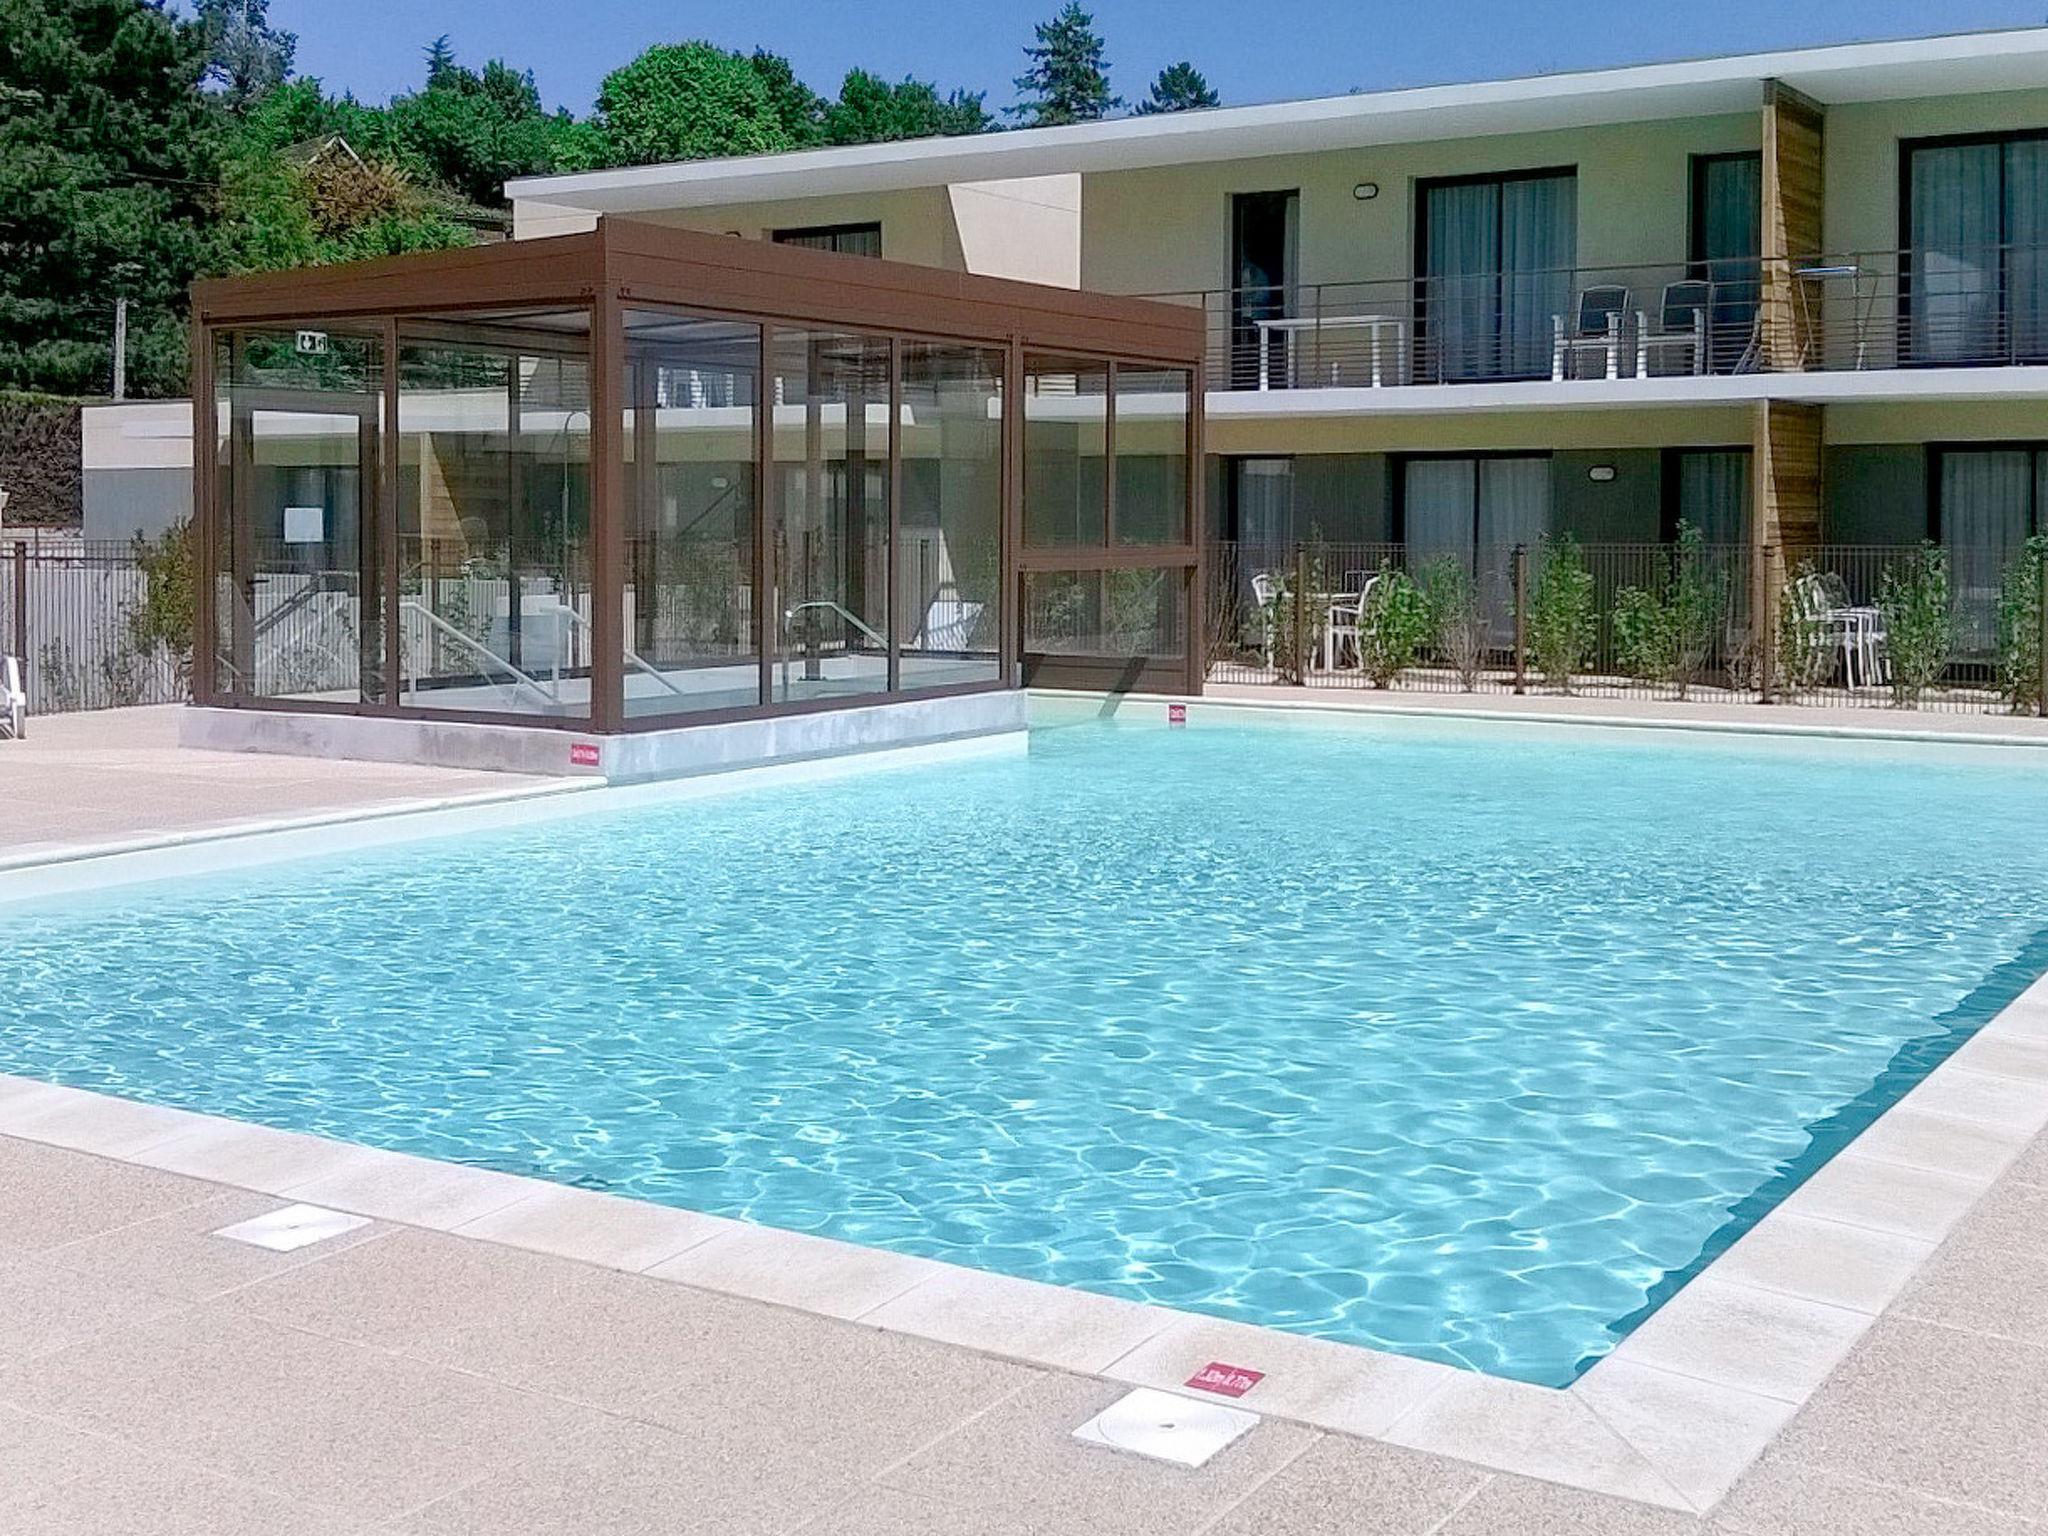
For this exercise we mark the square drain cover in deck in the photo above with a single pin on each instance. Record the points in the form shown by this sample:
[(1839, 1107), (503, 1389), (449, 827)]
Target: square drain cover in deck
[(1165, 1427), (292, 1228)]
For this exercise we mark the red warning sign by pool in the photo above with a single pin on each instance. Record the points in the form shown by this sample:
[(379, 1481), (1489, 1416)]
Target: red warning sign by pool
[(582, 754), (1176, 714), (1225, 1380)]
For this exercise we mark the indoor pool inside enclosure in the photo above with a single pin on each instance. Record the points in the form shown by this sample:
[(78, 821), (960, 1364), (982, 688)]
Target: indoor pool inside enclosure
[(1467, 1042)]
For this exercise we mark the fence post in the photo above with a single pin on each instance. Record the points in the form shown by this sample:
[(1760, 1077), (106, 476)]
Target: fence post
[(1521, 581), (2041, 639), (21, 607), (1767, 598), (1301, 616)]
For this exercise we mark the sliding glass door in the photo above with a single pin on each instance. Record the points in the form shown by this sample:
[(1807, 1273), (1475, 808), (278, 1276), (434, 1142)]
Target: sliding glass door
[(1474, 511), (1727, 250), (1495, 255), (1989, 504), (1264, 234), (1976, 279)]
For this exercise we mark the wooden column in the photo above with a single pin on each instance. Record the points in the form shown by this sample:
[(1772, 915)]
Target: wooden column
[(1785, 466), (1792, 227)]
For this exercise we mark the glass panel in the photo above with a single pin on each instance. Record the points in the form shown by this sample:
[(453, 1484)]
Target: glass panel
[(1461, 267), (1727, 245), (1514, 508), (692, 393), (1114, 615), (831, 540), (845, 239), (1986, 513), (1440, 500), (1064, 441), (1152, 456), (1262, 496), (949, 561), (2026, 255), (494, 515), (1954, 206), (1263, 240), (299, 590), (1538, 247), (1713, 494)]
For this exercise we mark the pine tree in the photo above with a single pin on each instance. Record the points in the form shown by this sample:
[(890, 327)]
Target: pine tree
[(440, 60), (1068, 77), (246, 55), (1179, 88)]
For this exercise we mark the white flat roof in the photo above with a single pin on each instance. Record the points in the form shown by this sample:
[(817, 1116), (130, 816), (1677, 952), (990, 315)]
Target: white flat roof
[(1962, 64)]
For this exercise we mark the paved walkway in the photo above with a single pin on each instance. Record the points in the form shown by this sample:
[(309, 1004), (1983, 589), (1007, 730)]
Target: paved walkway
[(112, 775), (155, 1378)]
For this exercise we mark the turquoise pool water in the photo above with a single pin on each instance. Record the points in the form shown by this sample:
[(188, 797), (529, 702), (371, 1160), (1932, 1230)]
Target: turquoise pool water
[(1462, 1043)]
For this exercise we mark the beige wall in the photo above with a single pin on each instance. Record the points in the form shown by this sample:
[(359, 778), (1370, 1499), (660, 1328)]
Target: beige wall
[(1169, 229), (917, 225), (1938, 421), (1710, 427), (537, 221), (1863, 155)]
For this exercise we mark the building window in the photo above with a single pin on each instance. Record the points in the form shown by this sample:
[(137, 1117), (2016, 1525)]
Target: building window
[(1726, 249), (1988, 503), (1975, 271), (1475, 510), (1493, 259), (844, 239), (1708, 488)]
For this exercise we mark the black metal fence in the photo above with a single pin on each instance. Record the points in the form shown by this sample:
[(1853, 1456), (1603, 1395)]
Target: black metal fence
[(70, 610), (1899, 627)]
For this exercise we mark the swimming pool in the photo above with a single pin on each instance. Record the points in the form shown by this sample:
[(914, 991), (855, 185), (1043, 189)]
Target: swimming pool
[(1467, 1042)]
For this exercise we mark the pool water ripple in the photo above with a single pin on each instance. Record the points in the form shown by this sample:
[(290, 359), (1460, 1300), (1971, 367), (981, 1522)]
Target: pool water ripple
[(1465, 1045)]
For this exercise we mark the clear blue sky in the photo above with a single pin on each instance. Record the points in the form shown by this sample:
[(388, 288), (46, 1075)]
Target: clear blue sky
[(1251, 50)]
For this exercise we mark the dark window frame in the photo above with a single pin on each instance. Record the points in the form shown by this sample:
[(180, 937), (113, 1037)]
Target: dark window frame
[(1397, 522), (2035, 447), (1908, 239), (1419, 191), (802, 235)]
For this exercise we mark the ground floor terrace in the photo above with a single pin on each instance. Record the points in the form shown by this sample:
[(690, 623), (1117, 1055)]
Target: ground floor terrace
[(455, 1349)]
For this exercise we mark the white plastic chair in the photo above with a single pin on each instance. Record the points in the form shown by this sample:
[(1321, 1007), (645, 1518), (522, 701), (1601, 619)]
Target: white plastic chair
[(1345, 615), (13, 699), (949, 624)]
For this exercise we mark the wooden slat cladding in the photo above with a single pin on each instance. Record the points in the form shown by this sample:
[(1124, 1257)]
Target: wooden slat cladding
[(1793, 189), (1786, 463)]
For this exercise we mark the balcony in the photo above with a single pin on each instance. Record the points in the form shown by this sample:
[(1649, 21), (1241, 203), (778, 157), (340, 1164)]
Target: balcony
[(1863, 311)]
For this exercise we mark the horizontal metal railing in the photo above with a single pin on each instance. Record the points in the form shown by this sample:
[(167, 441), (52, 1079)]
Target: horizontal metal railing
[(1959, 307), (1892, 626)]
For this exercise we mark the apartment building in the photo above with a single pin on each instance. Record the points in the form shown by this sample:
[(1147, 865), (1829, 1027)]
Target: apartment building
[(1795, 299)]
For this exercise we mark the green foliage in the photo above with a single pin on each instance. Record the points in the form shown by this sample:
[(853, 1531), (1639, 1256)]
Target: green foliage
[(1919, 623), (1668, 636), (1457, 623), (2019, 626), (689, 101), (471, 132), (1394, 623), (246, 56), (107, 155), (1067, 79), (167, 614), (799, 109), (1293, 647), (1561, 619), (872, 111), (1180, 88)]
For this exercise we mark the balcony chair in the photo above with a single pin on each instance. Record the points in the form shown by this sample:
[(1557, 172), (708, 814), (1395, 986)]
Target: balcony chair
[(1346, 612), (1595, 327), (1681, 326)]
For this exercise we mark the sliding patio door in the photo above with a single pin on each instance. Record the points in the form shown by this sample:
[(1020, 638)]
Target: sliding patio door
[(1496, 255), (1976, 276), (1989, 504), (1727, 250), (1264, 253), (1475, 511)]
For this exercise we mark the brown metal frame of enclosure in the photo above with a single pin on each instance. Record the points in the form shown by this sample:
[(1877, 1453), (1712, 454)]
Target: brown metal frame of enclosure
[(626, 264)]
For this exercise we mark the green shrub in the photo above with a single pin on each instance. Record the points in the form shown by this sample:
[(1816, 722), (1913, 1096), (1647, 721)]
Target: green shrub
[(1668, 636), (167, 614), (1457, 625), (2019, 626), (1919, 625), (1560, 619), (1393, 626)]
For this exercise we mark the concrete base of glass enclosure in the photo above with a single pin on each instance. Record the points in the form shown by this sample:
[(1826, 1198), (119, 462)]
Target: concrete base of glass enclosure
[(640, 480), (627, 758)]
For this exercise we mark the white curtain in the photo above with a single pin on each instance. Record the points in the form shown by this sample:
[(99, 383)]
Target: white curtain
[(1987, 509), (1498, 266), (1955, 208), (1514, 508), (1713, 494), (2026, 256), (1439, 501), (1461, 294), (1539, 246)]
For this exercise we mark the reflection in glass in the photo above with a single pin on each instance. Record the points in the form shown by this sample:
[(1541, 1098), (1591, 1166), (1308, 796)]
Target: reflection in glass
[(1152, 455), (949, 554), (297, 604), (1112, 615), (692, 404), (830, 544), (1065, 444), (494, 515)]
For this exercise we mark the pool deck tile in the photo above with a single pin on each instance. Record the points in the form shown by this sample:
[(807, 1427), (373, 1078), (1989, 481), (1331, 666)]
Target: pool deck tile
[(253, 1156), (1751, 1340), (52, 1195), (2005, 1053), (815, 1274), (1335, 1386), (1982, 1098), (1827, 1261), (1783, 1497), (1344, 1487), (1885, 1197), (1521, 1506), (126, 1492), (92, 1122), (596, 1228), (395, 1186), (1699, 1435), (1532, 1431), (1072, 1329), (1914, 1138)]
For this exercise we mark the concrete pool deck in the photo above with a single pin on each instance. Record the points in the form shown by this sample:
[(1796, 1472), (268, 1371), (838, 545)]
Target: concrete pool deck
[(1880, 1341)]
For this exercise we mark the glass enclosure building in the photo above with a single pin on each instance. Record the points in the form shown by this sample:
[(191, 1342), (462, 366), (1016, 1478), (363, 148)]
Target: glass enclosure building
[(643, 478)]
